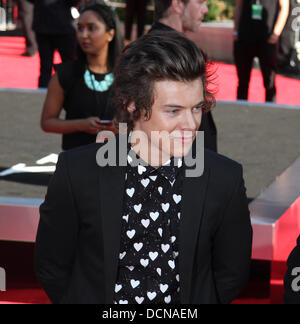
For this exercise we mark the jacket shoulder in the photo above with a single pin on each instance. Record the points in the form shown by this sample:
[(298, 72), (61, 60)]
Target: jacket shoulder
[(225, 174), (81, 158), (220, 163)]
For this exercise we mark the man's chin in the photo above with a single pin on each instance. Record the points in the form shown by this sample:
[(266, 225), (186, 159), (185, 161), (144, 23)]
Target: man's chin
[(181, 150), (198, 27)]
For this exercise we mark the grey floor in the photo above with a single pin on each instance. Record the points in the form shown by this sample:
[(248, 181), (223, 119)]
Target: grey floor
[(265, 140)]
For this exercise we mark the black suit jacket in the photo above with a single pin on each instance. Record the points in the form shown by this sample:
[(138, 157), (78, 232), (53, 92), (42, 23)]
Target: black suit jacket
[(78, 239), (292, 296)]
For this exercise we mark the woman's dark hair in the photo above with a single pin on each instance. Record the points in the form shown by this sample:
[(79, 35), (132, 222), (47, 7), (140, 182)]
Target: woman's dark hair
[(157, 56), (111, 20)]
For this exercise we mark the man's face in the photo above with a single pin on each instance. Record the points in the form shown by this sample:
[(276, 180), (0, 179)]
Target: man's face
[(175, 118), (193, 15)]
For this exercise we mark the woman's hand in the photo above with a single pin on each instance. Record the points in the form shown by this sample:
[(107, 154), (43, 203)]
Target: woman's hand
[(273, 39), (50, 118), (91, 125)]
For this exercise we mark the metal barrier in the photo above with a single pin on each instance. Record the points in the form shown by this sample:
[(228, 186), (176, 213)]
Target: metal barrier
[(275, 217), (19, 218)]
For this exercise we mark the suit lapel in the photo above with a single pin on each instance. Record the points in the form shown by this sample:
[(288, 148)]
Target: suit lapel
[(194, 193), (112, 183), (112, 186)]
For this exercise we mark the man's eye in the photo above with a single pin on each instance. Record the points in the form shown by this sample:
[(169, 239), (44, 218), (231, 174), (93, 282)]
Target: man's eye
[(173, 112), (199, 108)]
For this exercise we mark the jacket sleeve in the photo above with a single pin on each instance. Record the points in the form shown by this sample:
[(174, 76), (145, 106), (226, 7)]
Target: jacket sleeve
[(292, 277), (57, 235), (232, 245)]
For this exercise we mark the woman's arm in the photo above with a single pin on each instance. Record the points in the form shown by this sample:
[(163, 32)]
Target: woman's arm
[(237, 16), (281, 20), (50, 121)]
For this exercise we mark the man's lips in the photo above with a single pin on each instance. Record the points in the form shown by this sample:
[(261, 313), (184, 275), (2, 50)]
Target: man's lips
[(184, 139)]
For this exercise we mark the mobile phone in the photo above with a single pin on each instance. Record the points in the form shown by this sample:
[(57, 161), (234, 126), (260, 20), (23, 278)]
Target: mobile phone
[(106, 121)]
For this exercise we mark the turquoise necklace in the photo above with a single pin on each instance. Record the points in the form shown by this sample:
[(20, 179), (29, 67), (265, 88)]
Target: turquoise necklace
[(95, 85)]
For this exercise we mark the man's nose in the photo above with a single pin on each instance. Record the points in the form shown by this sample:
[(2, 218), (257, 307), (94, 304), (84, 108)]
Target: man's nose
[(188, 121), (205, 9)]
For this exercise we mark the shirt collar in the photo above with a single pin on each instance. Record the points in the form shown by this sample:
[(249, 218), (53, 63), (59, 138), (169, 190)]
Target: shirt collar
[(160, 26), (169, 170)]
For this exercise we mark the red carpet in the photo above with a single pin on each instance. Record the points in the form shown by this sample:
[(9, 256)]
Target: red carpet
[(38, 296), (23, 288), (287, 88), (24, 296), (17, 71), (21, 72)]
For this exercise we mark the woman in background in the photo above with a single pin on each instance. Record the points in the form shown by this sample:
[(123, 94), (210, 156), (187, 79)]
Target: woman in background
[(83, 87), (135, 8)]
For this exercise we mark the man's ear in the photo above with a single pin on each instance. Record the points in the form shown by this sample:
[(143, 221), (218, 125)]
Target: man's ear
[(178, 6), (131, 108)]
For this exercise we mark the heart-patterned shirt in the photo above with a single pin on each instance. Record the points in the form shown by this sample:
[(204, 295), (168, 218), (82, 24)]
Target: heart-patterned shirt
[(148, 259)]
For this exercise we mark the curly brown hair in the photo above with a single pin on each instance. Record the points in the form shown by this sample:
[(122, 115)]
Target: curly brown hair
[(157, 56)]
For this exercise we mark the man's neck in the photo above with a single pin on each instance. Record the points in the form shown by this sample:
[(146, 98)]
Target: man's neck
[(148, 153), (173, 22)]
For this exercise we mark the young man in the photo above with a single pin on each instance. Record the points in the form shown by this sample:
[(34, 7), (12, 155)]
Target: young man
[(186, 16), (180, 15), (148, 232)]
